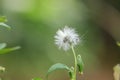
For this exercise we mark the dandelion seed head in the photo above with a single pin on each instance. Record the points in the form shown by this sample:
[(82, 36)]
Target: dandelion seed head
[(66, 37)]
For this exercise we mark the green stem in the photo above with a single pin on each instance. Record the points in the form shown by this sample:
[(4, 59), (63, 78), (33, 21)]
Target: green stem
[(75, 67)]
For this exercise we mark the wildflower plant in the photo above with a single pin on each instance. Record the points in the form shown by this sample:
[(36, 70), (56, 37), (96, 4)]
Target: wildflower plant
[(3, 48), (66, 39)]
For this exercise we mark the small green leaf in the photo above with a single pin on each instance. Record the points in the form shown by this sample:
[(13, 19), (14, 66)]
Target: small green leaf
[(118, 43), (36, 79), (2, 45), (4, 25), (80, 64), (57, 67), (6, 50), (3, 19)]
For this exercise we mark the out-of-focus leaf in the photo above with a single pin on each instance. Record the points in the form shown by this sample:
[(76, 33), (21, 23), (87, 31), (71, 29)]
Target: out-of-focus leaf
[(6, 50), (2, 69), (37, 79), (57, 66), (4, 25), (2, 45), (118, 43), (117, 72), (80, 64), (3, 19)]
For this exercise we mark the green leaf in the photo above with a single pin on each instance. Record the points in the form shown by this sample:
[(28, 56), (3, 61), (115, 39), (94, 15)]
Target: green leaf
[(36, 79), (2, 22), (4, 25), (3, 19), (2, 45), (6, 50), (80, 64), (57, 67)]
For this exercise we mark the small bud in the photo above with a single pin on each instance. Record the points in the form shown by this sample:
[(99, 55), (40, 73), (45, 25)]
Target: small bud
[(80, 64)]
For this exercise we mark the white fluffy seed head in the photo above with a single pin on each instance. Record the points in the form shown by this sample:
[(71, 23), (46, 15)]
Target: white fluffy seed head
[(66, 37)]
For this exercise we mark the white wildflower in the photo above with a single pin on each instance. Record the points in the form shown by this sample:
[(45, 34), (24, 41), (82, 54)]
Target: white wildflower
[(66, 37)]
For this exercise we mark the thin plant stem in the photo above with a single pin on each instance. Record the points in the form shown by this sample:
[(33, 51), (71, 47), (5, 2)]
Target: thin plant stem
[(75, 66)]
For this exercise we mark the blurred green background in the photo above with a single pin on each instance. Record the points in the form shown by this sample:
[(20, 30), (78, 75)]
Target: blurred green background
[(34, 24)]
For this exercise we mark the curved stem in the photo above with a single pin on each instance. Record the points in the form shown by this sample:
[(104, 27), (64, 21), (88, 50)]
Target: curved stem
[(75, 67)]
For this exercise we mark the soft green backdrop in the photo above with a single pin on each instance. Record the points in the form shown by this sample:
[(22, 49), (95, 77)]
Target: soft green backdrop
[(34, 24)]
